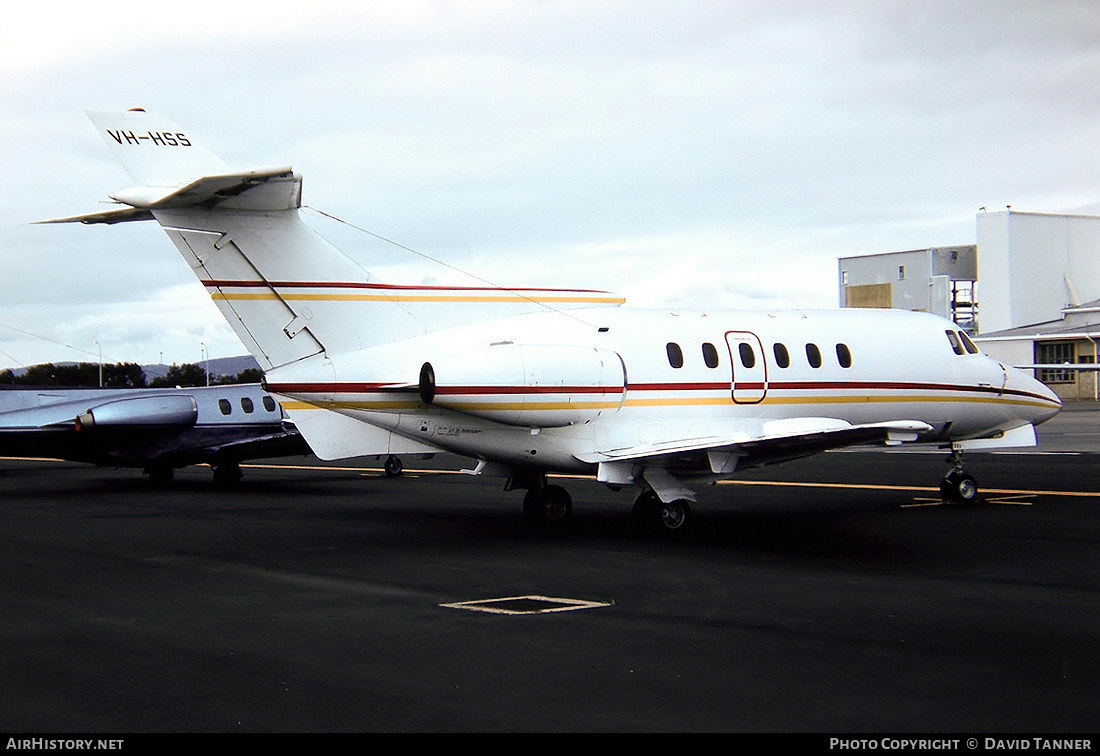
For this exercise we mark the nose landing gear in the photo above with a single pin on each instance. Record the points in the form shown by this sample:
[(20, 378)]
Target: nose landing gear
[(958, 485)]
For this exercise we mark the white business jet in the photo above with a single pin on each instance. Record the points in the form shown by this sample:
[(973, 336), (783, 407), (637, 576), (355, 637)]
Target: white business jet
[(531, 381)]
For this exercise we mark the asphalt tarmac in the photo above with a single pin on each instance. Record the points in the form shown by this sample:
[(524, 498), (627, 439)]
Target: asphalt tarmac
[(830, 595)]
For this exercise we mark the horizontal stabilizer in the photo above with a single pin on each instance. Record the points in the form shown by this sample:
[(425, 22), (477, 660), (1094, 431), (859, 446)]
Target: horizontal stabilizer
[(265, 189), (117, 215)]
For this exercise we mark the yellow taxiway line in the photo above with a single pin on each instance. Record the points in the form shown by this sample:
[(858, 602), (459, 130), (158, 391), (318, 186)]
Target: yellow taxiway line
[(734, 482)]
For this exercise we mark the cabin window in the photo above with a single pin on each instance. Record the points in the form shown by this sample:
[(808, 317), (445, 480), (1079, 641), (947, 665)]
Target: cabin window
[(675, 355), (782, 358), (968, 343), (225, 406), (269, 403), (813, 355), (955, 343), (710, 355), (843, 355), (246, 404), (748, 357)]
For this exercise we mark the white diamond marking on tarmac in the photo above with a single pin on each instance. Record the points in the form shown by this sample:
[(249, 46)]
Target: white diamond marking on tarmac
[(525, 605)]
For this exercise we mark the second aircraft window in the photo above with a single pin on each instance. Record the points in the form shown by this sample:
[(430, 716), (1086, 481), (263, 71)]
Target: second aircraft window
[(813, 354), (782, 359)]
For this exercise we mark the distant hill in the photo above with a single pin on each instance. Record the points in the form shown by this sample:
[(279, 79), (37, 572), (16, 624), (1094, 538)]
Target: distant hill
[(218, 366)]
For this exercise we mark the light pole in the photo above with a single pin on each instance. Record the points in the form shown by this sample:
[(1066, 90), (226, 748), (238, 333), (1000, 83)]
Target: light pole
[(206, 357), (100, 348)]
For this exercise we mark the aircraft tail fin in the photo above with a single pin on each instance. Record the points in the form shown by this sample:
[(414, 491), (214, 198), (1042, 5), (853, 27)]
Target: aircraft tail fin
[(287, 293), (239, 230), (153, 150)]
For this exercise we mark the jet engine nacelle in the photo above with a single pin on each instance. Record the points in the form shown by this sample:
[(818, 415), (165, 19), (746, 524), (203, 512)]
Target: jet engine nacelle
[(178, 412), (532, 385)]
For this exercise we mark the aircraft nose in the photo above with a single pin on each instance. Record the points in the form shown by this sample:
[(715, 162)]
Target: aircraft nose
[(1042, 400)]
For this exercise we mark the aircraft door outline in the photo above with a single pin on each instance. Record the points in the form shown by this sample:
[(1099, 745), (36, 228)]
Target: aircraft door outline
[(749, 379)]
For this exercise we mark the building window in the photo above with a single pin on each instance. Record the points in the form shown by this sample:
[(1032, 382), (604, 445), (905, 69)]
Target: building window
[(901, 272), (675, 355), (710, 355), (1056, 353)]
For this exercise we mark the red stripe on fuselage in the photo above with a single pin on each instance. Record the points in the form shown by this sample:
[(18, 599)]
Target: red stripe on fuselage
[(364, 388), (391, 287)]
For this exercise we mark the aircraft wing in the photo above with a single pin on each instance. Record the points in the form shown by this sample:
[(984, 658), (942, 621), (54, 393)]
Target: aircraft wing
[(771, 441), (284, 443)]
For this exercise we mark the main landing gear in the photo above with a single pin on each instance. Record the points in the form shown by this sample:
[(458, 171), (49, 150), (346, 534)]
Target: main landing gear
[(662, 516), (958, 485), (547, 506), (392, 466), (226, 473)]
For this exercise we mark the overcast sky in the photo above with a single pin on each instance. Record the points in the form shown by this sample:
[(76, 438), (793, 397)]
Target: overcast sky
[(683, 154)]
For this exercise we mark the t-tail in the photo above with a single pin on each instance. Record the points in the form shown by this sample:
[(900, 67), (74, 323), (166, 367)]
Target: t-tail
[(288, 294)]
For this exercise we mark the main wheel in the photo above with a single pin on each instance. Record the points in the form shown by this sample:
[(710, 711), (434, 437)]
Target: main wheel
[(160, 475), (647, 509), (653, 514), (392, 466), (227, 474), (547, 505), (675, 514)]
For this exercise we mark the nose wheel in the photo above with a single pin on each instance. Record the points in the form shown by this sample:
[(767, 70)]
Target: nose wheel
[(958, 485)]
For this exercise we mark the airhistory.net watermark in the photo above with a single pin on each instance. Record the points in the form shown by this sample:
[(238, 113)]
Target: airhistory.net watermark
[(63, 744)]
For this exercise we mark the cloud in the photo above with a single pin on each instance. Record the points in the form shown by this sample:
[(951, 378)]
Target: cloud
[(751, 142)]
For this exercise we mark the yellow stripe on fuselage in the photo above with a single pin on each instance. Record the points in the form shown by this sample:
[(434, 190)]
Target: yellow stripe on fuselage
[(711, 401)]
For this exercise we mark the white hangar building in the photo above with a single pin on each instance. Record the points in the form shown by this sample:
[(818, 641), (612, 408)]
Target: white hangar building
[(1028, 291)]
